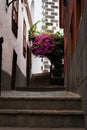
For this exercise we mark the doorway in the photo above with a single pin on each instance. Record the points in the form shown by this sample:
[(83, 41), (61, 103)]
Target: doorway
[(14, 66), (28, 66)]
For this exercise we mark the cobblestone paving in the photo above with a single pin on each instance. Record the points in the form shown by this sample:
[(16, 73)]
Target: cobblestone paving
[(37, 94)]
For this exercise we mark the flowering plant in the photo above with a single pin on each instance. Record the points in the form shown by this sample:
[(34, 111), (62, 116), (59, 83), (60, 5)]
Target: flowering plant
[(46, 44)]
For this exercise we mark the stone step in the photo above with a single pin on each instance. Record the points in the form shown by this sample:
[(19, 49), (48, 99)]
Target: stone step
[(45, 80), (41, 75), (42, 118), (27, 128), (40, 78), (40, 82), (36, 78), (57, 80), (41, 102), (41, 88)]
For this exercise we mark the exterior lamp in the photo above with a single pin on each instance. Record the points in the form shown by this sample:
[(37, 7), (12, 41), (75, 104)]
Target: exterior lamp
[(8, 2)]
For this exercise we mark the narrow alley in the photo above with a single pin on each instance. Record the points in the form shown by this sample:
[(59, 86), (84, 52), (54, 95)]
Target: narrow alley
[(43, 64)]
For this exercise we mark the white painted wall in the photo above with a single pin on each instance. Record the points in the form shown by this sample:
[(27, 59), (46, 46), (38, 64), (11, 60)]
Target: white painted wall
[(10, 42), (36, 13), (22, 16)]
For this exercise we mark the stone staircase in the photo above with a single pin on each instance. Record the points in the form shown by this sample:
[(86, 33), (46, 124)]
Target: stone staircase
[(52, 109), (42, 82)]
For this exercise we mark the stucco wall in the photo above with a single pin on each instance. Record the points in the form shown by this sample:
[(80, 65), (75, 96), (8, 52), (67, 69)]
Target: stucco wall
[(78, 68), (11, 43)]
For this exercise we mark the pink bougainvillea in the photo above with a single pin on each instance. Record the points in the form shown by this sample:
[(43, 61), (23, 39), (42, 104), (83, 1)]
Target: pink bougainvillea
[(44, 44)]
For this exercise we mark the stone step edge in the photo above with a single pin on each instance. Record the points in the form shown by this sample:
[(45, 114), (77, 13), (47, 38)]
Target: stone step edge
[(42, 112), (27, 128), (41, 98), (38, 88)]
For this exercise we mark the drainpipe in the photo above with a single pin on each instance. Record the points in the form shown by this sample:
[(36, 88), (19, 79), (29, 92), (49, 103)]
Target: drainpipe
[(1, 41)]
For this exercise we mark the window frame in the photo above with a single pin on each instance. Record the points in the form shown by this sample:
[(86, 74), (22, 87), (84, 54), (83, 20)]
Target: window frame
[(15, 7)]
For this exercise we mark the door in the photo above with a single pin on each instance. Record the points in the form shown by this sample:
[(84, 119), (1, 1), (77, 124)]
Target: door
[(28, 65), (14, 65)]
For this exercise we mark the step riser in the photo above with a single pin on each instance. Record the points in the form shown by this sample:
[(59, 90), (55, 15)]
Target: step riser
[(41, 77), (40, 104), (41, 84), (36, 88), (39, 80), (42, 121)]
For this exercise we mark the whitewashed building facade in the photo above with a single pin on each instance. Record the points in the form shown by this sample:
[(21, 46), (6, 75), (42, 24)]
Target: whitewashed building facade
[(51, 14), (36, 14), (15, 21)]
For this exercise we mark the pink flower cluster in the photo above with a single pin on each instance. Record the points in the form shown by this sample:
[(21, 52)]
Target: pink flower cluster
[(44, 44)]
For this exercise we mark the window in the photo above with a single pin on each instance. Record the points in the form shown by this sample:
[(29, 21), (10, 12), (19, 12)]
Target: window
[(24, 39), (15, 17), (41, 67), (21, 1)]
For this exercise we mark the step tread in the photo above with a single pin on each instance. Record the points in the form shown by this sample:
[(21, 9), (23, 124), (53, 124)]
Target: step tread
[(26, 128), (53, 94), (51, 112), (38, 88), (41, 98)]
